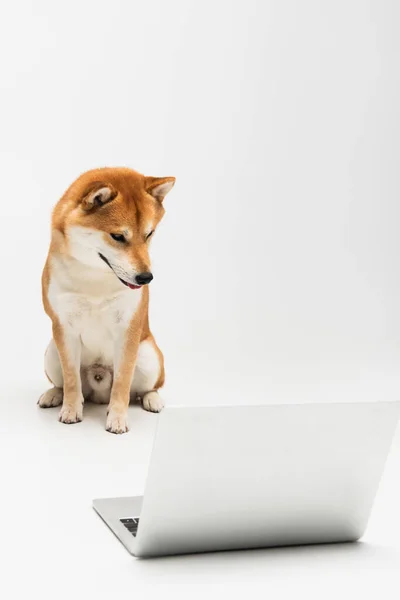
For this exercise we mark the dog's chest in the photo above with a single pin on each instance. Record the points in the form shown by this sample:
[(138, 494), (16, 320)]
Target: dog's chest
[(97, 328), (98, 322)]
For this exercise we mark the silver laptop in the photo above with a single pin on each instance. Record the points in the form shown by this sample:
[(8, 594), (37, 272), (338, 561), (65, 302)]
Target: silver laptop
[(235, 477)]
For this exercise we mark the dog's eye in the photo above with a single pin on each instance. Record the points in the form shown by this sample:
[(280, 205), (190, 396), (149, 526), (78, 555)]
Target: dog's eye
[(118, 237), (149, 234)]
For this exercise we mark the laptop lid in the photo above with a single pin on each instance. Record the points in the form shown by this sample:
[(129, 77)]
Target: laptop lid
[(251, 476)]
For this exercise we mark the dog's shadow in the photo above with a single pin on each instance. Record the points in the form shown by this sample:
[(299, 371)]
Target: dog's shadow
[(98, 412), (92, 412), (95, 412)]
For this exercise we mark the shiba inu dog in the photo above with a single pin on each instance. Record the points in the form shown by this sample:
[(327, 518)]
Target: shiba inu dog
[(95, 291)]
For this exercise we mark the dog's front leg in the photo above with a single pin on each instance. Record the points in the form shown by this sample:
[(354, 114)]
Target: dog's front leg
[(69, 349), (126, 350)]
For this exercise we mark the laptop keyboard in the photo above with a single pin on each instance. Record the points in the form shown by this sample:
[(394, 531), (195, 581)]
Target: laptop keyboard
[(131, 525)]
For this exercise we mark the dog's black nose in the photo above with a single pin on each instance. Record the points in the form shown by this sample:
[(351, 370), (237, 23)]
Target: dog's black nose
[(144, 278)]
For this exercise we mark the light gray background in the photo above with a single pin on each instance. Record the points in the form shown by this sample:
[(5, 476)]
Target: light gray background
[(279, 120), (276, 268)]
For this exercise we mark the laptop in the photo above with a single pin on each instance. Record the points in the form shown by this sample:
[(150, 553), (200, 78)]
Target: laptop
[(235, 477)]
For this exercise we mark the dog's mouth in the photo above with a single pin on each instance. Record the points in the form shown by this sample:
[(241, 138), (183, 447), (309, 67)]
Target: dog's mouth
[(129, 285)]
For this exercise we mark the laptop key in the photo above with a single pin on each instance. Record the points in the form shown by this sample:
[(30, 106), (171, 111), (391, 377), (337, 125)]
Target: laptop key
[(127, 521), (131, 525)]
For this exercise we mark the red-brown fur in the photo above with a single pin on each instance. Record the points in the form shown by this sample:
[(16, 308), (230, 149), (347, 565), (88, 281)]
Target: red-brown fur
[(132, 199)]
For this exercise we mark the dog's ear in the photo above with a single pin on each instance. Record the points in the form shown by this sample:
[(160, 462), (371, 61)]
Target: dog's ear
[(159, 187), (98, 194)]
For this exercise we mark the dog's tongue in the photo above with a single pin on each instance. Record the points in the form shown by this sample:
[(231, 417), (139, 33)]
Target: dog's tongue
[(133, 287)]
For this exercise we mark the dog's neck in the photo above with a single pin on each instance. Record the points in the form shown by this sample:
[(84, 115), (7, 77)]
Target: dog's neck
[(74, 276)]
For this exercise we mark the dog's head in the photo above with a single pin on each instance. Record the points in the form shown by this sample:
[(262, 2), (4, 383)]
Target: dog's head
[(108, 217)]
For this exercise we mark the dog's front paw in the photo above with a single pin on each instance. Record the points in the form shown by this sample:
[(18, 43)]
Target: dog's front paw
[(153, 402), (52, 397), (117, 423), (71, 414)]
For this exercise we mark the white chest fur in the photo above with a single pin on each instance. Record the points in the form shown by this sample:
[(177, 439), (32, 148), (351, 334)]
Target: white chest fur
[(96, 309)]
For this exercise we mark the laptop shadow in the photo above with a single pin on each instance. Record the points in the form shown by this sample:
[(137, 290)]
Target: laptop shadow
[(281, 558)]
